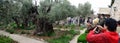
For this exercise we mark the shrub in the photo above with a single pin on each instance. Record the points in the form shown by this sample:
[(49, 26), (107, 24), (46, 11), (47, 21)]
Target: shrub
[(11, 31), (72, 26), (23, 32), (4, 39), (59, 26), (12, 25), (21, 26), (73, 32), (82, 38), (66, 26), (81, 28), (86, 31)]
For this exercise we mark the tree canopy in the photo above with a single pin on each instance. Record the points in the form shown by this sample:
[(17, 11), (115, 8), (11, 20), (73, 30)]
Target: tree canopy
[(23, 13), (84, 9)]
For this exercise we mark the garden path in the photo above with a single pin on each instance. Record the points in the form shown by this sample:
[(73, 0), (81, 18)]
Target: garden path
[(20, 39), (74, 40)]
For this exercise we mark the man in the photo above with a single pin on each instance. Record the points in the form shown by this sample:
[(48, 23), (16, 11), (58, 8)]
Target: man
[(101, 20), (89, 20), (108, 33), (92, 26)]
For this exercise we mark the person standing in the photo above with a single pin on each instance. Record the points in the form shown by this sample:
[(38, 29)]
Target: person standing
[(107, 34), (89, 20), (101, 19)]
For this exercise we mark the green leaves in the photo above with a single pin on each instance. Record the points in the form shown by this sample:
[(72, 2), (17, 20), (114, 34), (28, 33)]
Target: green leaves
[(8, 9), (84, 10), (62, 10), (5, 39)]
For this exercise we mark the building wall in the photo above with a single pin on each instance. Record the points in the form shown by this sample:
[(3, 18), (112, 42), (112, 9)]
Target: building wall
[(115, 10), (104, 10)]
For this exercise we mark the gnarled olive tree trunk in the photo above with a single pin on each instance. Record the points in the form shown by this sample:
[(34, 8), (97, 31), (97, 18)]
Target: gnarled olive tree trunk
[(42, 26)]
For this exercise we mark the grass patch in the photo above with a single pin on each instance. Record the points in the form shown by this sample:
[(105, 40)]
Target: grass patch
[(65, 38), (62, 39), (5, 39)]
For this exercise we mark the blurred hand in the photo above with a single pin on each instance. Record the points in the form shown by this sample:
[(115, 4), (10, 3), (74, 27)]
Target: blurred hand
[(95, 28), (100, 27), (88, 24)]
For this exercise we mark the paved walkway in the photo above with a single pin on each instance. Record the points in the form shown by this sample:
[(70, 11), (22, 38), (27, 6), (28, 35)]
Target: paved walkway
[(21, 39), (74, 40)]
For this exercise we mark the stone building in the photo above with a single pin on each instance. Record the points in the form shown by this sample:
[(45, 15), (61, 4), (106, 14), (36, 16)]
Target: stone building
[(105, 11), (115, 9)]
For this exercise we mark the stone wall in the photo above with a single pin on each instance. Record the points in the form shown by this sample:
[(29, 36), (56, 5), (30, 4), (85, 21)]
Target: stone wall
[(115, 10)]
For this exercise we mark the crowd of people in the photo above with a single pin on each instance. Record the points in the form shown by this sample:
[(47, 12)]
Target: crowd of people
[(103, 30), (75, 20)]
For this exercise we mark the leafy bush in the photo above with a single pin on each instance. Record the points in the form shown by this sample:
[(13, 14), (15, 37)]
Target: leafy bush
[(30, 27), (11, 31), (23, 32), (66, 26), (82, 38), (81, 28), (86, 31), (72, 26), (73, 32), (12, 25), (59, 26), (4, 39)]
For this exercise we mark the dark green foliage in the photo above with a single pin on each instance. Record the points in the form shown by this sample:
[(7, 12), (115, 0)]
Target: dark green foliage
[(86, 31), (22, 14), (5, 39), (11, 31), (72, 26), (23, 32), (73, 32), (81, 28), (84, 10), (59, 26), (12, 25)]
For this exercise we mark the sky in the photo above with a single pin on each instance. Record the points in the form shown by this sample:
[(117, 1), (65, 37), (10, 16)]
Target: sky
[(96, 4)]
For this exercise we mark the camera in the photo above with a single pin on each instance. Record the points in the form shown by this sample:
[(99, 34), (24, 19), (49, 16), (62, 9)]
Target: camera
[(97, 30)]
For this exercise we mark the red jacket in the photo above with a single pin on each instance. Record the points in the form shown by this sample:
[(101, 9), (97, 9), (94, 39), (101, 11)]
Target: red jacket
[(103, 37)]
